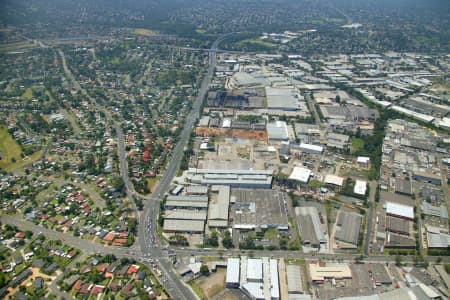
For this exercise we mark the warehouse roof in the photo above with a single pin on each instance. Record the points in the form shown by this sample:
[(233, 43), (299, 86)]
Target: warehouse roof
[(294, 279), (275, 286), (312, 227), (277, 131), (188, 198), (438, 240), (397, 225), (311, 147), (334, 180), (233, 270), (403, 186), (196, 189), (401, 210), (185, 215), (230, 171), (218, 206), (282, 98), (363, 159), (360, 187), (255, 289), (300, 174), (351, 225), (437, 211), (184, 225), (380, 273), (192, 204), (318, 272), (255, 269)]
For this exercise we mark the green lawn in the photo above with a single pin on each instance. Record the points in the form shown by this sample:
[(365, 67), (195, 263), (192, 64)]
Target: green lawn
[(9, 149), (28, 94), (357, 144)]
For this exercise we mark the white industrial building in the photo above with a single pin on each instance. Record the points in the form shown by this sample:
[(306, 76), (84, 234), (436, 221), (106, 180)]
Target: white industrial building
[(300, 174), (233, 178), (277, 131), (218, 206), (282, 99), (310, 148), (233, 272), (258, 278), (400, 210), (360, 187), (255, 270), (334, 180)]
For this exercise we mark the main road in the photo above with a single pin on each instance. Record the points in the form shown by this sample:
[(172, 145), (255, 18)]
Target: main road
[(147, 234)]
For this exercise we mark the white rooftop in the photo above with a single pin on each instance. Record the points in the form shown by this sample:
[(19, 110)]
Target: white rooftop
[(334, 180), (400, 210), (233, 270), (254, 269), (363, 159), (360, 187), (300, 174)]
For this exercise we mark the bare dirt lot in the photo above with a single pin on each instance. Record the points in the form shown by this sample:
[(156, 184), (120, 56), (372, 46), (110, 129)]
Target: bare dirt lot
[(259, 135), (213, 284)]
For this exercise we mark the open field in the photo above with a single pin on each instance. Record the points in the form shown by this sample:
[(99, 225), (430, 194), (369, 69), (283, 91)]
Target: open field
[(10, 151), (146, 32), (17, 46), (357, 144), (257, 41), (28, 94), (213, 284), (259, 135)]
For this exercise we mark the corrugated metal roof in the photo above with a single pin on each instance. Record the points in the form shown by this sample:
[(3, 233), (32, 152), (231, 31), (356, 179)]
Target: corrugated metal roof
[(233, 270)]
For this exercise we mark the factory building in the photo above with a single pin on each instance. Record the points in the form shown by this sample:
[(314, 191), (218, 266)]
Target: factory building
[(300, 174), (312, 149), (400, 210), (233, 272), (233, 178), (218, 206), (278, 131), (258, 278), (349, 226), (319, 272), (311, 229)]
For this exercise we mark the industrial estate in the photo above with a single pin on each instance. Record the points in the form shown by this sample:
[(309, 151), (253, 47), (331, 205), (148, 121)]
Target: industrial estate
[(281, 150)]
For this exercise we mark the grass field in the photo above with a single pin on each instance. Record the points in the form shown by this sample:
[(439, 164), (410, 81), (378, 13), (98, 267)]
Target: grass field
[(146, 32), (28, 94), (17, 46), (257, 41), (9, 149), (200, 31), (357, 144)]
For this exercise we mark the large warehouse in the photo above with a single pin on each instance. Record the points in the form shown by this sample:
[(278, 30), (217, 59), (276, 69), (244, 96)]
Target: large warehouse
[(261, 208), (282, 99), (347, 232), (311, 229), (300, 174), (218, 206), (258, 278), (319, 272), (233, 178), (400, 210), (233, 272)]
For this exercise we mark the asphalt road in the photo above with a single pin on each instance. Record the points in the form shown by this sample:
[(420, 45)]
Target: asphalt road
[(119, 133), (371, 201), (148, 236)]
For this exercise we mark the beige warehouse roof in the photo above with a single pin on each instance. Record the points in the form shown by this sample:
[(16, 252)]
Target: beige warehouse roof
[(320, 272)]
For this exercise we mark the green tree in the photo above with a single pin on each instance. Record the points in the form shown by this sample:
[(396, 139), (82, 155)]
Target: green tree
[(227, 240), (204, 270)]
